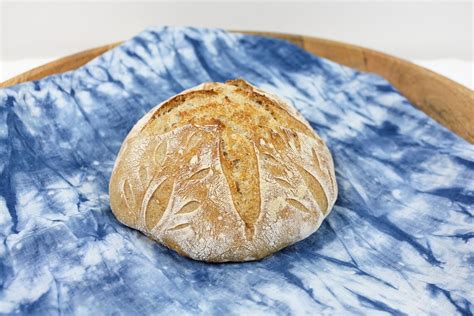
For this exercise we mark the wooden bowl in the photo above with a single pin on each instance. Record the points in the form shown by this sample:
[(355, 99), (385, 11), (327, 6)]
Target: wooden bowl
[(446, 101)]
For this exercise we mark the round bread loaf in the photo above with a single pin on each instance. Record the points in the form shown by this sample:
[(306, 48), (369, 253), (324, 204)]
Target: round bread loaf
[(223, 172)]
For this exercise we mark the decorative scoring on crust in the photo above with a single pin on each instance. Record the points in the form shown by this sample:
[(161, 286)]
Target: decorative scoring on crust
[(223, 172)]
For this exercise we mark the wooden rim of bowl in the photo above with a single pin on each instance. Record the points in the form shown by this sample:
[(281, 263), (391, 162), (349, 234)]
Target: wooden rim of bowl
[(449, 103)]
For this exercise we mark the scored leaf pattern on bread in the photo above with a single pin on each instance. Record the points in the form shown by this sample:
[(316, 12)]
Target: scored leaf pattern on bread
[(155, 165), (159, 172), (290, 161)]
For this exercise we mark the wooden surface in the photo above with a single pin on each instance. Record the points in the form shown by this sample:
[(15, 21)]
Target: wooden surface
[(448, 102)]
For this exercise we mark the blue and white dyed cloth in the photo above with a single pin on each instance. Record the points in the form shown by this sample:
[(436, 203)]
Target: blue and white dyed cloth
[(399, 240)]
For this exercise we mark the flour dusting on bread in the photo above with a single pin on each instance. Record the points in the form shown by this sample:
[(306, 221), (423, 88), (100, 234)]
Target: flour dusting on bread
[(223, 172)]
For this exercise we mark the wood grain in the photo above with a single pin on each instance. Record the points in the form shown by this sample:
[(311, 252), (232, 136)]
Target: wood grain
[(446, 101)]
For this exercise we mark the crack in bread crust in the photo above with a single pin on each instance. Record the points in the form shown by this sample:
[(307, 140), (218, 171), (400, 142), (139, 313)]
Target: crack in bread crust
[(241, 174)]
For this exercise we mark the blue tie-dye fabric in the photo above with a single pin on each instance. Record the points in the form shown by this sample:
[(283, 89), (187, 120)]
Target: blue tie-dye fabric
[(399, 240)]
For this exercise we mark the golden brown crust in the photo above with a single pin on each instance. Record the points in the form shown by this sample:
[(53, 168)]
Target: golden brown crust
[(223, 172)]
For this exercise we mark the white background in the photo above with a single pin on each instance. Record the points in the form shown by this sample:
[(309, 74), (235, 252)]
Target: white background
[(435, 34)]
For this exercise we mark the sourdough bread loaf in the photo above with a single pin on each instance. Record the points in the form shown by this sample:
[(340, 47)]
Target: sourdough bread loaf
[(223, 172)]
